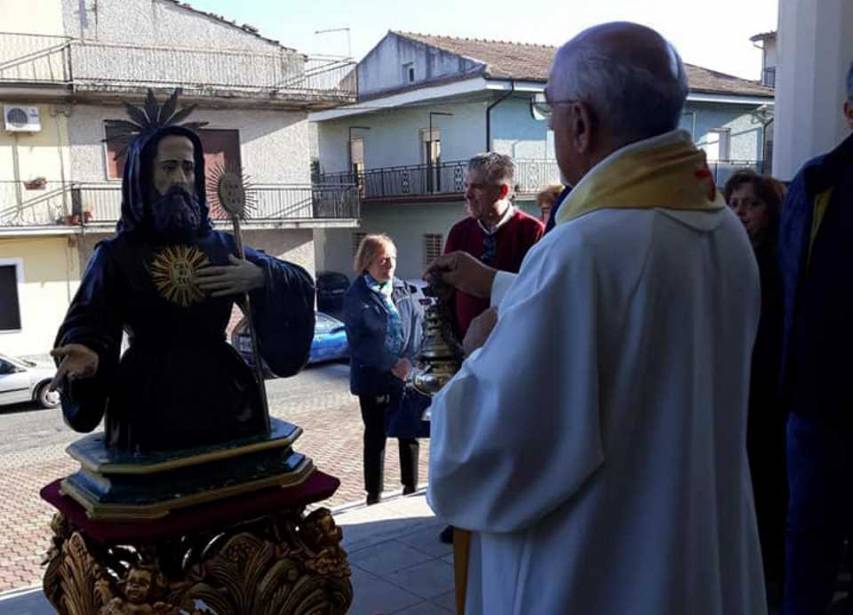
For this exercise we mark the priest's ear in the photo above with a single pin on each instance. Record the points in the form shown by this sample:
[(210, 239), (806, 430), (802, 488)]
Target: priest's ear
[(582, 124)]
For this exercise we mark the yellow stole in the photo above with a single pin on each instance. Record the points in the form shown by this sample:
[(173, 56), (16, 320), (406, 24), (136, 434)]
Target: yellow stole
[(667, 171)]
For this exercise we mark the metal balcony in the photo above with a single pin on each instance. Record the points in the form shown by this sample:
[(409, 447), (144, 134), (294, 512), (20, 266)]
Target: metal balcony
[(446, 180), (95, 67), (58, 205)]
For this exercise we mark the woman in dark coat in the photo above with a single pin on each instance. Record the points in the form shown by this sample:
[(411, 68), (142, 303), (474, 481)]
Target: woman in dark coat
[(757, 201), (383, 323)]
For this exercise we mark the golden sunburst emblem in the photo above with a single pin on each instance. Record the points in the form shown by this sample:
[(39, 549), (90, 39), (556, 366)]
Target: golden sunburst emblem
[(174, 273)]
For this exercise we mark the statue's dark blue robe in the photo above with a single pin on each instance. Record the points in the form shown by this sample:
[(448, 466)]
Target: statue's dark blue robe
[(180, 384)]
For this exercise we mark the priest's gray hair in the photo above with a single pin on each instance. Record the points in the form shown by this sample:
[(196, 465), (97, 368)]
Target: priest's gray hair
[(496, 168), (633, 101)]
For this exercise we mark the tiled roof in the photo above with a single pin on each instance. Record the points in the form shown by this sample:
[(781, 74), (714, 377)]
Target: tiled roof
[(503, 59), (528, 62), (710, 81), (244, 27)]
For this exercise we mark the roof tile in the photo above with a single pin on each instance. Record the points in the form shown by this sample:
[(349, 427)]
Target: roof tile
[(530, 62)]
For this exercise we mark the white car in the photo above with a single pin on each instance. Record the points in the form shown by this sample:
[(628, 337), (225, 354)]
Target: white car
[(22, 380)]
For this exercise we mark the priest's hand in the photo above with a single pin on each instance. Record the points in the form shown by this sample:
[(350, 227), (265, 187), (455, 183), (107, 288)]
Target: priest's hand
[(463, 272), (479, 330), (76, 361), (238, 277), (402, 368)]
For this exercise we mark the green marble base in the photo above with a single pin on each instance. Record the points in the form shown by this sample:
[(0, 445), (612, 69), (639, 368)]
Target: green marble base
[(123, 485)]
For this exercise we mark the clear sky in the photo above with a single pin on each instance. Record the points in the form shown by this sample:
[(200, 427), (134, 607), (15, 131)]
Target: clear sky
[(711, 34)]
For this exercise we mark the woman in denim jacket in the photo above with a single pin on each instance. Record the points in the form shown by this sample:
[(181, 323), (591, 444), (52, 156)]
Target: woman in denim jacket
[(384, 327)]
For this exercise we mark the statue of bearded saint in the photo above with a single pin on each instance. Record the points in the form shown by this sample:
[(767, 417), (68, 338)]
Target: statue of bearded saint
[(169, 280)]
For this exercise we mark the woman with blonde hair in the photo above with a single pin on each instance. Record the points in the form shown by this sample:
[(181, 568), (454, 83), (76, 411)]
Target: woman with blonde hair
[(383, 323), (547, 199)]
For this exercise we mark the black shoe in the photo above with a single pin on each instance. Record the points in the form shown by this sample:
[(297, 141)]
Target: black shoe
[(446, 535), (408, 489), (372, 498)]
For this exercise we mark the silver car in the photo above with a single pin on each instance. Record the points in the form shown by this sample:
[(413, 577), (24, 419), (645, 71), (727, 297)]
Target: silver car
[(22, 380)]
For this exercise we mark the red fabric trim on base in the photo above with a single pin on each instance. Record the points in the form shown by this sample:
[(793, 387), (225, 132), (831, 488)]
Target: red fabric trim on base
[(211, 516)]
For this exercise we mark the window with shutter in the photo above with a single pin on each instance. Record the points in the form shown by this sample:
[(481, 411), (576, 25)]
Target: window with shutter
[(10, 309)]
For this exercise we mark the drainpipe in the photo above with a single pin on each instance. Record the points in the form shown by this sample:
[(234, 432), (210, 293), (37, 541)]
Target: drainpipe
[(692, 115), (16, 172), (489, 114), (55, 112)]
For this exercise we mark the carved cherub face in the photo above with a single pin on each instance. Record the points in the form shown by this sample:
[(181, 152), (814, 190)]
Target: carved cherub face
[(138, 586)]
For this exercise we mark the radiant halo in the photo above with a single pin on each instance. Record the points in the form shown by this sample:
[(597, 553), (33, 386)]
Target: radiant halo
[(173, 271)]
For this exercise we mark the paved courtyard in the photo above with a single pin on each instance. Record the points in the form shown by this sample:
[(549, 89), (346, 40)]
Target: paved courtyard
[(398, 565), (32, 453)]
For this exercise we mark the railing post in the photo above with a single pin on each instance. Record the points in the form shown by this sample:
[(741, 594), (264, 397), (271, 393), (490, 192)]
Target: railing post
[(68, 64), (76, 201)]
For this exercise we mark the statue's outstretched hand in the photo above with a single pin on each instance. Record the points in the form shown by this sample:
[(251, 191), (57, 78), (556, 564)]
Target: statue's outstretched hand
[(76, 361), (463, 272), (240, 276)]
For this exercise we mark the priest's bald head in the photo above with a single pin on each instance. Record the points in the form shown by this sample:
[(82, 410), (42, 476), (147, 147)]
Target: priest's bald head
[(611, 85)]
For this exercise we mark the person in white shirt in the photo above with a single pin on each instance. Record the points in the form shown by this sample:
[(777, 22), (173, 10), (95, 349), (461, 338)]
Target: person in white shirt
[(595, 445)]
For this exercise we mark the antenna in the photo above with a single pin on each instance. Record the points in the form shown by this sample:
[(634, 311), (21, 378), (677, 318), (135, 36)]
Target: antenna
[(349, 41)]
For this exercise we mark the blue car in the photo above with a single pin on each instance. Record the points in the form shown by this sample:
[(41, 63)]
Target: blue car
[(330, 340), (329, 343)]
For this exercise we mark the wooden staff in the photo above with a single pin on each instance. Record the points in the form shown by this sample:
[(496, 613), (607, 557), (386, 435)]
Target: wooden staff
[(231, 197), (461, 557)]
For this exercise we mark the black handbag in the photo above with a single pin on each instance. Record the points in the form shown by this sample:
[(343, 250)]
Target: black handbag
[(405, 419)]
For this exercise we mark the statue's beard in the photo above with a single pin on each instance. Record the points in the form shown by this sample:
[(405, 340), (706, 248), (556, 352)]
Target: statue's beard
[(176, 216)]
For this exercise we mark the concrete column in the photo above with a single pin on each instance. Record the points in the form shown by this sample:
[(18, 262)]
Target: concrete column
[(815, 50)]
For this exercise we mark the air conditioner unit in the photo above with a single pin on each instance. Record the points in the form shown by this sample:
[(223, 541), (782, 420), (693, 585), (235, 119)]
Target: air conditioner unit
[(21, 119)]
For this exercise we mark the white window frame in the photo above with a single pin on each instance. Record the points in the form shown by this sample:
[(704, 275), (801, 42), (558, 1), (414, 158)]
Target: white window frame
[(434, 140), (18, 263), (724, 141), (352, 151), (409, 75)]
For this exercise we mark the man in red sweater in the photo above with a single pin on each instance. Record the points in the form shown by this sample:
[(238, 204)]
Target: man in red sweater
[(497, 233)]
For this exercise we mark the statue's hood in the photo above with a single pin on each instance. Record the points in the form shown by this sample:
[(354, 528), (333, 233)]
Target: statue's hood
[(136, 179)]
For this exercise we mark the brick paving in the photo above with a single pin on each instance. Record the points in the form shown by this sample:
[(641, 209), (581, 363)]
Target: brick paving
[(32, 453)]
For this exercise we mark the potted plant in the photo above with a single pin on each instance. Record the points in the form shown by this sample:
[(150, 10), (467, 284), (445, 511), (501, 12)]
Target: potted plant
[(38, 183)]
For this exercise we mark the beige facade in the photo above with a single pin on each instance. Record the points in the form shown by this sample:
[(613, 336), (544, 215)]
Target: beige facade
[(48, 276), (34, 166), (75, 63)]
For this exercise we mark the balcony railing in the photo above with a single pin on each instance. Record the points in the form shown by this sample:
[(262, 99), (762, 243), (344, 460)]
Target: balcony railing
[(42, 204), (722, 170), (33, 58), (88, 65), (445, 178), (448, 178)]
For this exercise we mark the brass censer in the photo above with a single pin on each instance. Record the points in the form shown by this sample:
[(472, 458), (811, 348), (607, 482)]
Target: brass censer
[(441, 353)]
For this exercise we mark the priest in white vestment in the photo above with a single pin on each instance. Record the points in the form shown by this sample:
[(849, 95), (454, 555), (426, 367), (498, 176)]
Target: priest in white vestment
[(595, 445)]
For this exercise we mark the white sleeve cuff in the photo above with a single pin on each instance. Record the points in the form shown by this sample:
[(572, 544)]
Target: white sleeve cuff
[(503, 280)]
